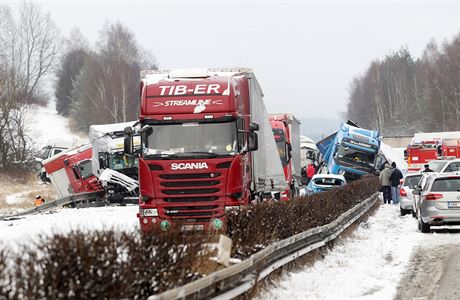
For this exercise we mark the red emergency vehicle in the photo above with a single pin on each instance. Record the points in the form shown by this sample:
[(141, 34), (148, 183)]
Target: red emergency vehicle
[(426, 147)]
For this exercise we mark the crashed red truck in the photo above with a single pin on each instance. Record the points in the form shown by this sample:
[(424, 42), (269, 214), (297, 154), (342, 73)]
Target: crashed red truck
[(286, 130), (207, 146)]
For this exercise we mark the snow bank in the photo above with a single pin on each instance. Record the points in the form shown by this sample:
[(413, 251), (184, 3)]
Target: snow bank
[(26, 230)]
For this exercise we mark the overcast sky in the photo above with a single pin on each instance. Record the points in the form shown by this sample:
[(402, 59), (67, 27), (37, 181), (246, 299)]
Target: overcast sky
[(304, 53)]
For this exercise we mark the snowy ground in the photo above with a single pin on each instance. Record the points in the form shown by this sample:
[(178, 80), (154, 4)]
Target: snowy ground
[(368, 265), (46, 124), (27, 229)]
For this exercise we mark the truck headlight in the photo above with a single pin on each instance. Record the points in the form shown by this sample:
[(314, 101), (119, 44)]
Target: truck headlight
[(150, 212)]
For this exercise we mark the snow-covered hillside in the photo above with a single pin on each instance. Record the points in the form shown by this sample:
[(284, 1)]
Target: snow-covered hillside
[(45, 124)]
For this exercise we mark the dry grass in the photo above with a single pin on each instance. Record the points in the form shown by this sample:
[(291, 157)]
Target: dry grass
[(23, 190)]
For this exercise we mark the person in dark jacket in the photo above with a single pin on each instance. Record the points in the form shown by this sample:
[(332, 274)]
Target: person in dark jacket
[(427, 169), (395, 180)]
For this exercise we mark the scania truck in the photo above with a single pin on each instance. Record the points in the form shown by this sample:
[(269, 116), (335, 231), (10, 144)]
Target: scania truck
[(286, 130), (351, 151), (206, 146)]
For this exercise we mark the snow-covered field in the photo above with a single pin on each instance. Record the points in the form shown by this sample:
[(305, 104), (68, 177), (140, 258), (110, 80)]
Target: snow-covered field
[(27, 229), (367, 265)]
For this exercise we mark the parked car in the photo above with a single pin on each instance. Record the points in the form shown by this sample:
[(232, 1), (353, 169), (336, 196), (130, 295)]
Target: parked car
[(450, 166), (323, 182), (406, 203), (439, 165), (439, 201), (416, 197)]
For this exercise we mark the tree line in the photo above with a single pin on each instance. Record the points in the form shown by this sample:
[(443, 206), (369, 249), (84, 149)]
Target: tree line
[(401, 95), (92, 84), (100, 84)]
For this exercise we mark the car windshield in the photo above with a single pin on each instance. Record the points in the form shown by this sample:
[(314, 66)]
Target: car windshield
[(412, 180), (199, 138), (446, 185), (44, 153), (437, 166), (121, 161), (355, 155), (328, 181)]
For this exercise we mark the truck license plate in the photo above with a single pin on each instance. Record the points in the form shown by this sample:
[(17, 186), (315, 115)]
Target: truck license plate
[(453, 204), (192, 227)]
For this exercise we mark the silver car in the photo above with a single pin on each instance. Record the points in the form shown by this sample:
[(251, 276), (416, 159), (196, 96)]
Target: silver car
[(406, 203), (416, 192), (439, 201)]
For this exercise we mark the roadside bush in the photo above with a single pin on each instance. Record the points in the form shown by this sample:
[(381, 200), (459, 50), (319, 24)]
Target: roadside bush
[(103, 265), (253, 228)]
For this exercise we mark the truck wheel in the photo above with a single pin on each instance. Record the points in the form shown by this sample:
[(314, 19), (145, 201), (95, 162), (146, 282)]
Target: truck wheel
[(403, 212)]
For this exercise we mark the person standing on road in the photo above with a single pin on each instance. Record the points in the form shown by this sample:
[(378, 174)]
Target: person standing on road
[(386, 185), (427, 169), (395, 179)]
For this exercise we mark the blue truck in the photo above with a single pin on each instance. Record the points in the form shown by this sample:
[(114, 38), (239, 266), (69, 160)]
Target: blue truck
[(351, 151)]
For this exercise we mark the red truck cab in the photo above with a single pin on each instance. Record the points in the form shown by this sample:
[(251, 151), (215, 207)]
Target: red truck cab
[(71, 172), (282, 138), (197, 138)]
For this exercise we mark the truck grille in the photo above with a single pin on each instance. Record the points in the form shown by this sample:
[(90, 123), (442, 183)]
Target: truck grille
[(189, 183), (190, 191), (186, 191), (191, 211), (191, 199), (190, 176)]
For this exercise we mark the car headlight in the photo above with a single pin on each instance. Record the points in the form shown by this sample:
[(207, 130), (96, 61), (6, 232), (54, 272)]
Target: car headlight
[(150, 212)]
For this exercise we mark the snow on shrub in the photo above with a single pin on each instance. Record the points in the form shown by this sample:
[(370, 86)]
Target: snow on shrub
[(253, 228), (103, 264)]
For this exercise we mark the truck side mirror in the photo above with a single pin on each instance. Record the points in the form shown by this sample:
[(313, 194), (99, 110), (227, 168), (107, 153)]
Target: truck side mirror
[(253, 141), (128, 141), (254, 127)]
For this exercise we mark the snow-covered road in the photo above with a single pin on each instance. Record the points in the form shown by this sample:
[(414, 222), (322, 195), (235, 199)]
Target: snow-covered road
[(367, 265), (27, 229)]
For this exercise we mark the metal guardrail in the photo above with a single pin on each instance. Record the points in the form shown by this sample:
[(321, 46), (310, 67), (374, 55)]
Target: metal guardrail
[(78, 200), (239, 278)]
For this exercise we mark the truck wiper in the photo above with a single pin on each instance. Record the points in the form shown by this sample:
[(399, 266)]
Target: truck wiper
[(162, 155), (209, 154)]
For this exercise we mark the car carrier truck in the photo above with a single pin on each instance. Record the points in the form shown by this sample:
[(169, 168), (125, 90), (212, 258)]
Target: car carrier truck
[(351, 151), (207, 146), (286, 130)]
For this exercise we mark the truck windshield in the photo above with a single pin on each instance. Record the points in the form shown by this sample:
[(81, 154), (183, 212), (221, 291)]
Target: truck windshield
[(281, 145), (121, 161), (213, 139), (355, 155)]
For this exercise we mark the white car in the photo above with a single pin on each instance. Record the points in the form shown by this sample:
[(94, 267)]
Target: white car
[(406, 203)]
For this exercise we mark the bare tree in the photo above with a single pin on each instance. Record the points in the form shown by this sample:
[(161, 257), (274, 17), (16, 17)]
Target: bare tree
[(108, 92), (28, 48)]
